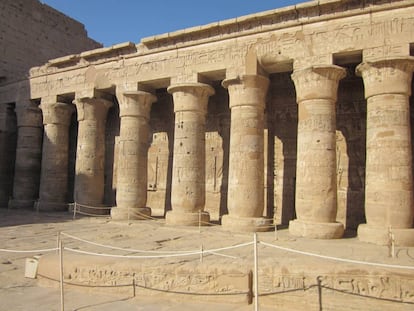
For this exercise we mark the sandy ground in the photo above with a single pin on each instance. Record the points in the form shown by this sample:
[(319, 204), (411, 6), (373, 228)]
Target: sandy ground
[(26, 230)]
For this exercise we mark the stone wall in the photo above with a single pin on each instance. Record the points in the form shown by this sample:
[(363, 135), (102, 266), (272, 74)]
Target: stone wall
[(32, 33)]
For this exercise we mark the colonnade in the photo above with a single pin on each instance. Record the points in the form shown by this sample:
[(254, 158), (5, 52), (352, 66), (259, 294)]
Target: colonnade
[(389, 185)]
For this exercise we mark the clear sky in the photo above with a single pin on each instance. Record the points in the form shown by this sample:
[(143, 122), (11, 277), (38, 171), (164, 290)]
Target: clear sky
[(115, 21)]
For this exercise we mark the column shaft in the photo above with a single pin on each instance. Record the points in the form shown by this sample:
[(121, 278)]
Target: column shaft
[(188, 177), (245, 201), (28, 156), (54, 174), (389, 180), (316, 193), (131, 195), (8, 128), (90, 153)]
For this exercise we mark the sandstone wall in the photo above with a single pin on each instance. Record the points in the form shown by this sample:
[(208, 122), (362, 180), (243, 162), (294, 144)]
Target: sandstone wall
[(32, 33)]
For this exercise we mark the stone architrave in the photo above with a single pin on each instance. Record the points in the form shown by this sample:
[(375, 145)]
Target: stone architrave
[(245, 200), (28, 156), (90, 152), (132, 175), (316, 189), (54, 173), (188, 177), (389, 181)]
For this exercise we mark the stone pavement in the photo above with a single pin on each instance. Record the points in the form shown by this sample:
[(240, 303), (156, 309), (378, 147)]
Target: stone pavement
[(293, 276)]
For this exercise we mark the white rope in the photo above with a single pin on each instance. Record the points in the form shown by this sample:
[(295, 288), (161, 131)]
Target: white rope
[(124, 249), (129, 256), (88, 214), (153, 251), (338, 259), (93, 207), (154, 256), (31, 251), (223, 255)]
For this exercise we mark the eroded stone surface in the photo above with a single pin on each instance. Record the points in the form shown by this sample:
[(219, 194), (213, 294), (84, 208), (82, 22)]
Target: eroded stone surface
[(252, 147)]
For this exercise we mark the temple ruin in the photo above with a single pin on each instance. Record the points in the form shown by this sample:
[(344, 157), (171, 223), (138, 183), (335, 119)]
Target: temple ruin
[(299, 116)]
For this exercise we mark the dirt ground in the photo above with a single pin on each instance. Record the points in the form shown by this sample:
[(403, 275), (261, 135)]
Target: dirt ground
[(27, 230)]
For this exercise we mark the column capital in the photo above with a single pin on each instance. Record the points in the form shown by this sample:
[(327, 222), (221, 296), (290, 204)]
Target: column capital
[(388, 76), (135, 103), (317, 82), (247, 90), (90, 108), (190, 96), (29, 116), (56, 113)]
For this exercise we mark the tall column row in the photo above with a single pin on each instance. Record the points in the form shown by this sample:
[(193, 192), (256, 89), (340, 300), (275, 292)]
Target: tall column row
[(389, 185)]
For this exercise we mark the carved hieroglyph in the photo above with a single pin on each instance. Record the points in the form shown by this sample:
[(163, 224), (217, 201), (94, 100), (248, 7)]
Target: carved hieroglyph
[(256, 172)]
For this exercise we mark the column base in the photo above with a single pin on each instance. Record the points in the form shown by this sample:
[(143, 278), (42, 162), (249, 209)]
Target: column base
[(246, 224), (316, 230), (138, 213), (21, 204), (173, 218), (44, 206), (379, 235)]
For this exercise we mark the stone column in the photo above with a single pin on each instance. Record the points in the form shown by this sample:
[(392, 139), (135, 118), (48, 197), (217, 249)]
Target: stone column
[(245, 199), (131, 193), (28, 156), (8, 128), (90, 153), (389, 180), (188, 177), (54, 174), (316, 190)]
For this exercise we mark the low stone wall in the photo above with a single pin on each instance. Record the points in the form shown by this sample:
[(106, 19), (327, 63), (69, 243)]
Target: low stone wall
[(279, 284), (118, 276)]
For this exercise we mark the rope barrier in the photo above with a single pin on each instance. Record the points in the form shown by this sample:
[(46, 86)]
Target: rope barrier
[(337, 258), (154, 256), (123, 249), (29, 251), (92, 207), (88, 214)]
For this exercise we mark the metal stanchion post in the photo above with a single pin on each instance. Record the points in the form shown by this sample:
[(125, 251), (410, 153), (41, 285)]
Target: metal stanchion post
[(199, 221), (275, 232), (62, 299), (319, 280), (74, 210), (256, 275)]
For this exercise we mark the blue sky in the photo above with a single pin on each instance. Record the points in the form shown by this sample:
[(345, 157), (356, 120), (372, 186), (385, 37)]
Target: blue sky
[(114, 21)]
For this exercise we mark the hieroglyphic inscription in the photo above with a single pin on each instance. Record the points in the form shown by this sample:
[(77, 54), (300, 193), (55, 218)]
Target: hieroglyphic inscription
[(191, 282), (379, 286)]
